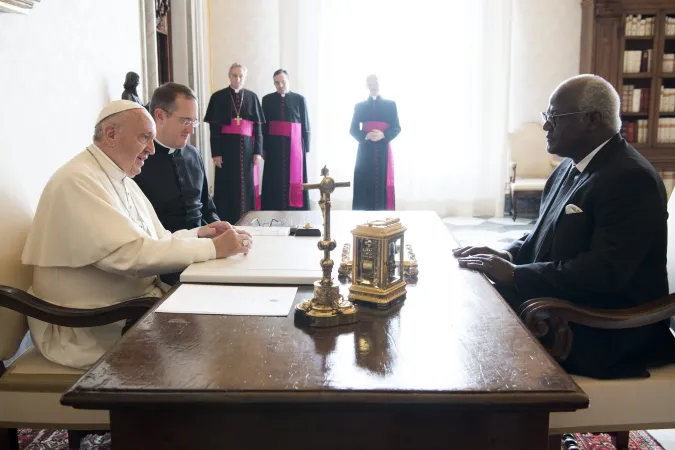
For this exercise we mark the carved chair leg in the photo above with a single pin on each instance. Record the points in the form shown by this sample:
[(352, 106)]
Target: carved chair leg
[(554, 441), (9, 439)]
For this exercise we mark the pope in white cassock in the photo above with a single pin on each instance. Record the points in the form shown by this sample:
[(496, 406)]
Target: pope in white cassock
[(96, 240)]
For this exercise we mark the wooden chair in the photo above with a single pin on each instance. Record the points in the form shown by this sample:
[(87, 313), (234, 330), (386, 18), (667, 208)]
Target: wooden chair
[(531, 164), (616, 406), (31, 387)]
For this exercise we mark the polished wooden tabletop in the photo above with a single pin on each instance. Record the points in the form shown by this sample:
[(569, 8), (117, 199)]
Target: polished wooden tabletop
[(452, 338)]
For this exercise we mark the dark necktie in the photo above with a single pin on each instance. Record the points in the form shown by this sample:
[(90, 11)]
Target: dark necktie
[(545, 231)]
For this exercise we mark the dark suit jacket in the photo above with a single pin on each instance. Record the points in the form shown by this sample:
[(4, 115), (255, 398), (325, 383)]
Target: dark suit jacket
[(611, 255)]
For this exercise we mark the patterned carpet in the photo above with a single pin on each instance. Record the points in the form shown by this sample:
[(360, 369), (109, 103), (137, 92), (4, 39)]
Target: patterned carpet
[(58, 440), (639, 440)]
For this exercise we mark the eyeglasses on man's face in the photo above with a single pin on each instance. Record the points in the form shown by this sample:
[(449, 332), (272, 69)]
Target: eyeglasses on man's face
[(550, 118), (185, 121)]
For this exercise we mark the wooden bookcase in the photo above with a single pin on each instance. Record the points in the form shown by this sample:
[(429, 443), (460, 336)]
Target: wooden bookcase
[(164, 49), (603, 43)]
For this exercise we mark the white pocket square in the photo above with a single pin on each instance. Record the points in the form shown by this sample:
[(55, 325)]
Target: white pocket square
[(572, 209)]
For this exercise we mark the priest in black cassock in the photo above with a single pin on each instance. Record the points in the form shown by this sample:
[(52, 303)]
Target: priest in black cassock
[(235, 117), (286, 138), (374, 125), (174, 178)]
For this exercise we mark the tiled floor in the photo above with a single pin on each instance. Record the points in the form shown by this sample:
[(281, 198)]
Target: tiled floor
[(492, 232), (665, 437)]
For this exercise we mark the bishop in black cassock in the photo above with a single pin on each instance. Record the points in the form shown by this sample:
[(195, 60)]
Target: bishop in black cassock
[(235, 117), (286, 138), (374, 125)]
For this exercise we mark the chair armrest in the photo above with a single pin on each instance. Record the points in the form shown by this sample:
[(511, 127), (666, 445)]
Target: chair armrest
[(31, 306), (542, 314)]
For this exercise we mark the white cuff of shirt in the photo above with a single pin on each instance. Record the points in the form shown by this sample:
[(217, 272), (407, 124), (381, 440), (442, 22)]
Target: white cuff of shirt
[(207, 249)]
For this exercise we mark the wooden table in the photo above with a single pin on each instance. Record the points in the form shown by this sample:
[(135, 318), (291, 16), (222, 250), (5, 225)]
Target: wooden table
[(452, 367)]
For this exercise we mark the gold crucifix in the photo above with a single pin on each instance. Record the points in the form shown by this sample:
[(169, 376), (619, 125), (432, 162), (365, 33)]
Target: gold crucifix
[(327, 308), (238, 119)]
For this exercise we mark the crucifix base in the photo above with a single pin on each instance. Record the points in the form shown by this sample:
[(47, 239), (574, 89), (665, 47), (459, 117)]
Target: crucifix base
[(326, 309)]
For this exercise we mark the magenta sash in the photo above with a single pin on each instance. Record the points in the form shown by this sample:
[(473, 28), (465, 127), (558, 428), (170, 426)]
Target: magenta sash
[(294, 131), (245, 128), (368, 127)]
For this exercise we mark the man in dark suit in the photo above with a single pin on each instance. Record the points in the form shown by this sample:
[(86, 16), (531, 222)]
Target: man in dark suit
[(601, 238)]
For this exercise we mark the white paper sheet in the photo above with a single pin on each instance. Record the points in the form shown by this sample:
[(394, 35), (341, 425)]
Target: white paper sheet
[(266, 231), (230, 300)]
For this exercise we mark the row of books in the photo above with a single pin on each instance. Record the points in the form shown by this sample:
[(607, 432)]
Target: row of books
[(635, 132), (667, 100), (669, 62), (636, 61), (636, 25), (634, 100), (670, 26), (666, 131)]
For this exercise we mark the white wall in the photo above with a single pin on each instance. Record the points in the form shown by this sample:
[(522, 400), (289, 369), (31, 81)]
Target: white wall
[(58, 66), (545, 42), (246, 32)]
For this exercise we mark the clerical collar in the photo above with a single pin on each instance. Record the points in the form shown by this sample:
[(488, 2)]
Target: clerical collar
[(282, 95), (374, 97), (236, 91), (171, 150), (107, 164), (584, 162)]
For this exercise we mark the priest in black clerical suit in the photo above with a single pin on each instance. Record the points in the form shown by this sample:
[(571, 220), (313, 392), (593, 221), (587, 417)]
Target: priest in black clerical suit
[(286, 138), (374, 125), (601, 238), (235, 117), (174, 178), (175, 183)]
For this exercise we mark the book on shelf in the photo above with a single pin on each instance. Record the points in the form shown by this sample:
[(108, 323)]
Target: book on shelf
[(636, 25), (666, 131), (667, 100), (635, 132), (670, 26), (634, 100), (668, 63), (637, 61)]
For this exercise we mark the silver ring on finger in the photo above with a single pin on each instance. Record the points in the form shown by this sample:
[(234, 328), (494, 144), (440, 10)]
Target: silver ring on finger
[(245, 242)]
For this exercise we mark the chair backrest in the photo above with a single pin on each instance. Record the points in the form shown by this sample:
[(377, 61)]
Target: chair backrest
[(527, 145), (16, 219)]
